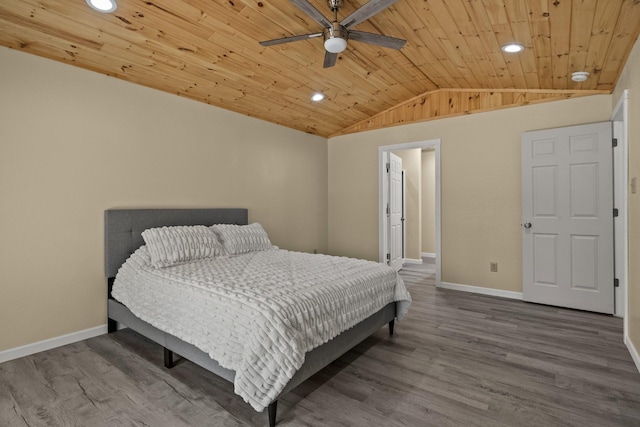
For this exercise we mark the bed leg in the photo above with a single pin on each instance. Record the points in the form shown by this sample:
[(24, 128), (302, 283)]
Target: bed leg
[(112, 326), (391, 327), (273, 407), (168, 358)]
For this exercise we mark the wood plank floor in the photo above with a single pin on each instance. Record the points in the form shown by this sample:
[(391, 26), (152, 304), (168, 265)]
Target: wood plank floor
[(458, 359)]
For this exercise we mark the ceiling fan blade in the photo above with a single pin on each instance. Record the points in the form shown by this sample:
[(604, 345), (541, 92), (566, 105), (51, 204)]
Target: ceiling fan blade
[(365, 12), (310, 10), (290, 39), (377, 39), (329, 59)]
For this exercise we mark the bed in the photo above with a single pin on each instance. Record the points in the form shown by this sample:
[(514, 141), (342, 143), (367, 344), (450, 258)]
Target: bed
[(123, 237)]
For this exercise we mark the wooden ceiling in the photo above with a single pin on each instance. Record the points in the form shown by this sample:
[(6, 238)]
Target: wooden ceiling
[(208, 50)]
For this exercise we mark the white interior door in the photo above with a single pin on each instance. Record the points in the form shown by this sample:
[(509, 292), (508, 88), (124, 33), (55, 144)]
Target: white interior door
[(567, 216), (395, 211)]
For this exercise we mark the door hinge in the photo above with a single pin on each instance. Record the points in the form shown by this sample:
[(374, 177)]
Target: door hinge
[(388, 209), (388, 257), (616, 283), (388, 167), (615, 212), (615, 142)]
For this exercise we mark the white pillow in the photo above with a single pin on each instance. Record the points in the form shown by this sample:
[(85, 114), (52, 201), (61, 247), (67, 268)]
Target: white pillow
[(240, 239), (170, 246)]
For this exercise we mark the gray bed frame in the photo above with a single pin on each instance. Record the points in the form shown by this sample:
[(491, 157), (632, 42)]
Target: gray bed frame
[(123, 228)]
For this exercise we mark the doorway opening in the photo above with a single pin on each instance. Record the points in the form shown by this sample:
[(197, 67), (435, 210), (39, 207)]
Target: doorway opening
[(384, 227)]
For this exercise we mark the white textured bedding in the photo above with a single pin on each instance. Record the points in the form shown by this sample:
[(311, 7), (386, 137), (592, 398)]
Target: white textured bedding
[(258, 313)]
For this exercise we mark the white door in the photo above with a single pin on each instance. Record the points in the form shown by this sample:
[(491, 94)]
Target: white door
[(567, 217), (395, 211)]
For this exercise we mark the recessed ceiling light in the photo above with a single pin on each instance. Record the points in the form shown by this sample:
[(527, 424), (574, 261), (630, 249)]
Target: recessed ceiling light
[(579, 76), (317, 97), (104, 6), (513, 48)]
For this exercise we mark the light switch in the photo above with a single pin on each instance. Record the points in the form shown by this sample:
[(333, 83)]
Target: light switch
[(633, 185)]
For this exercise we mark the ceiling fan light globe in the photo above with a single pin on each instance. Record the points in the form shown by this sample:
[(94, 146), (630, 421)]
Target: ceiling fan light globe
[(335, 44)]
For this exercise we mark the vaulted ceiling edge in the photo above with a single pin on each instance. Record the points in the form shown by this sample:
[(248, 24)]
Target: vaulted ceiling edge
[(445, 103)]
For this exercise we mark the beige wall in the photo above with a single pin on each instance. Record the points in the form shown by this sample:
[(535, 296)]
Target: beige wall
[(630, 79), (74, 143), (428, 201), (481, 186), (412, 170)]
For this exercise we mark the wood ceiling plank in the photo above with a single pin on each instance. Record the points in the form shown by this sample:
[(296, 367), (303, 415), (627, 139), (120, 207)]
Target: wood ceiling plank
[(102, 23), (179, 12), (468, 41), (625, 33), (582, 15), (440, 47), (518, 16), (540, 30), (107, 29), (162, 21), (195, 49), (239, 20), (560, 24), (450, 103), (193, 53), (232, 60), (485, 65), (497, 14), (403, 68), (412, 54), (274, 20), (212, 45), (605, 17), (453, 45), (33, 42), (490, 44), (419, 47), (390, 83), (28, 17), (381, 77)]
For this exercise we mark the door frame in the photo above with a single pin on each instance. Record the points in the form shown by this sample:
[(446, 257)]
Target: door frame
[(382, 194), (404, 213), (620, 122)]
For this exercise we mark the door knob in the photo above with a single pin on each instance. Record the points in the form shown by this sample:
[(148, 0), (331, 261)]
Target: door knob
[(527, 225)]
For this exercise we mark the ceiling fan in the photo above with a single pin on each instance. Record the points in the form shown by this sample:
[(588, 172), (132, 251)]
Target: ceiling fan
[(336, 33)]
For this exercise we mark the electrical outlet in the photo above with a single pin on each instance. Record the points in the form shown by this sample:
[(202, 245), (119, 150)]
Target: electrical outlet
[(493, 267)]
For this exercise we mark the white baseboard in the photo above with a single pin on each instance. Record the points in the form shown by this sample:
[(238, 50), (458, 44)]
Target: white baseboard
[(427, 255), (411, 261), (481, 290), (633, 352), (37, 347)]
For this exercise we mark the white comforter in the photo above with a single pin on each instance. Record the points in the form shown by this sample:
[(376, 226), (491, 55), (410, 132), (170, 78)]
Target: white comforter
[(258, 313)]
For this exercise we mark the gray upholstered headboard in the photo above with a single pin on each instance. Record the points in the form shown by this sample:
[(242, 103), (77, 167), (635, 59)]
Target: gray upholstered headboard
[(123, 228)]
